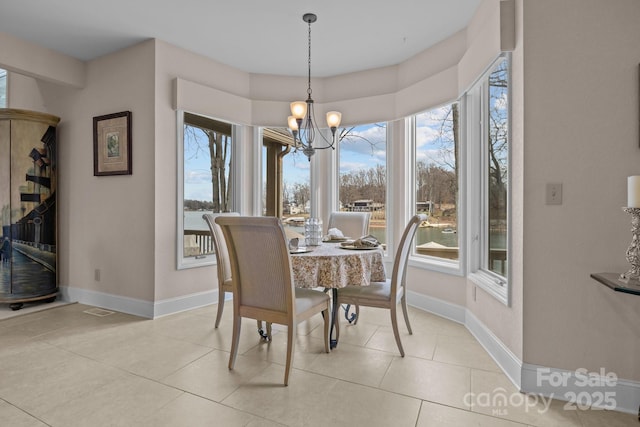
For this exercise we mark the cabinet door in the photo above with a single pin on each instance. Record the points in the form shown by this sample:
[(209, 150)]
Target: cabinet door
[(33, 204), (5, 205)]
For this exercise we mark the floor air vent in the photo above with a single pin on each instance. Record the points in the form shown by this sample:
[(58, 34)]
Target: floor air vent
[(98, 312)]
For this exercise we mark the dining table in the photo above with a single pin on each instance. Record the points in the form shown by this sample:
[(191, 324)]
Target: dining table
[(334, 265)]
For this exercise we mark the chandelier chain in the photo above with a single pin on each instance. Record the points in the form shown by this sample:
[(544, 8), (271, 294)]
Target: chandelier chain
[(309, 63)]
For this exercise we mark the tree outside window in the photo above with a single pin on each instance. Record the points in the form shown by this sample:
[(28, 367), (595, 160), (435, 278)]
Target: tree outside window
[(437, 181), (206, 171)]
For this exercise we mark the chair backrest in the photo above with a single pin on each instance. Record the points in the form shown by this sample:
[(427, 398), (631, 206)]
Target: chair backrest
[(402, 254), (220, 247), (261, 267), (352, 224)]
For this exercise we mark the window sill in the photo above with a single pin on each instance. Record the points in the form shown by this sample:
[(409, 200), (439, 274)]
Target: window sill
[(491, 284), (439, 265), (193, 262)]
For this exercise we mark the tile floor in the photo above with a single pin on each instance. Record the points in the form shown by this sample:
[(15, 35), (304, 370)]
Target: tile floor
[(69, 367)]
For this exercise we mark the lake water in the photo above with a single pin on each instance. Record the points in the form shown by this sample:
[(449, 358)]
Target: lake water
[(193, 221)]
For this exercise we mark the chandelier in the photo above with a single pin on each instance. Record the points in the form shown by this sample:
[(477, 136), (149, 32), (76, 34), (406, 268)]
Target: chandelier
[(301, 121)]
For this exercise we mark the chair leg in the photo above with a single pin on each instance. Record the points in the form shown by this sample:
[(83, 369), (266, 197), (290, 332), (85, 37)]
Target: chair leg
[(396, 333), (220, 306), (355, 322), (291, 335), (235, 340), (336, 325), (406, 314), (327, 322)]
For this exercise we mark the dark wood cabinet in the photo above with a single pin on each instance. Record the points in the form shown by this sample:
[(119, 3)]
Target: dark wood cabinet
[(28, 182)]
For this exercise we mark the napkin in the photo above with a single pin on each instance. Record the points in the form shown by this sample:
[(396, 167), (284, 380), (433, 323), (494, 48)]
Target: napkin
[(334, 234), (364, 242)]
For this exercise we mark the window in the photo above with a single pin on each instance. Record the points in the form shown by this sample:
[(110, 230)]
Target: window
[(489, 110), (3, 88), (205, 153), (286, 179), (362, 168), (436, 141)]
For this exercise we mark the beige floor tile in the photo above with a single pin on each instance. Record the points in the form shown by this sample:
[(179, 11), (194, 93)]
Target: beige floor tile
[(428, 322), (150, 355), (353, 363), (428, 380), (493, 394), (358, 334), (463, 351), (15, 417), (211, 378), (436, 415), (193, 411), (599, 417), (63, 367), (52, 382), (316, 400), (127, 402), (307, 349), (419, 344)]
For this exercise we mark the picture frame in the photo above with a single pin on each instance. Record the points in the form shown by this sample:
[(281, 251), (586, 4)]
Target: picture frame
[(112, 144)]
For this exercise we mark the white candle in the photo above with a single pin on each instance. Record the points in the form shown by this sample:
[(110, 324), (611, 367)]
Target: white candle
[(633, 191)]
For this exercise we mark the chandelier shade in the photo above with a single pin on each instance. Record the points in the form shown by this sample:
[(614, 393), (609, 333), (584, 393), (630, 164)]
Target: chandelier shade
[(302, 123)]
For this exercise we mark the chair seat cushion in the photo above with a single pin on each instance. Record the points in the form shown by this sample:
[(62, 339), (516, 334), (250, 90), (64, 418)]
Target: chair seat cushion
[(376, 290), (307, 298)]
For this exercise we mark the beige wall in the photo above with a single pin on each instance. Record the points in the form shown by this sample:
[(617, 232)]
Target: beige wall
[(581, 129), (107, 222)]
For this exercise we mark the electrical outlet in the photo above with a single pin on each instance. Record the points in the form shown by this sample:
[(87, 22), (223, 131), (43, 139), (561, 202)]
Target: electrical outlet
[(554, 194), (96, 274)]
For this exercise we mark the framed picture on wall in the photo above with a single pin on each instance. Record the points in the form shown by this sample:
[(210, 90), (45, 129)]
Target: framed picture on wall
[(112, 144)]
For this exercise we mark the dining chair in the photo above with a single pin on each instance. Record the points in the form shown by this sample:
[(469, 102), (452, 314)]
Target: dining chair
[(223, 264), (264, 286), (351, 224), (389, 293)]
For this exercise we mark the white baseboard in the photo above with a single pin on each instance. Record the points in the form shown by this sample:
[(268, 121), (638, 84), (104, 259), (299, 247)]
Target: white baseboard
[(580, 387), (624, 393), (510, 364), (139, 307), (437, 306)]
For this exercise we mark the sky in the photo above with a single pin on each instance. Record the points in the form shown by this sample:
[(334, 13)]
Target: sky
[(363, 149)]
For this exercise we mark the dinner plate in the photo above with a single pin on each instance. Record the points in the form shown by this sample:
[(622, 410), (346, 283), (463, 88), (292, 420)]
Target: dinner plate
[(359, 248), (301, 251), (337, 240)]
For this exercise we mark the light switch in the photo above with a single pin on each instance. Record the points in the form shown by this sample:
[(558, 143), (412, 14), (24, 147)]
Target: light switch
[(554, 194)]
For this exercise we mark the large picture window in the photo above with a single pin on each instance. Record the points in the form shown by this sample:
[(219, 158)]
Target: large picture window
[(205, 154), (362, 168), (436, 141), (489, 122)]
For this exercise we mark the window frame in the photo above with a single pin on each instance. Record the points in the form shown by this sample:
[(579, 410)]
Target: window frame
[(4, 96), (183, 262), (477, 119)]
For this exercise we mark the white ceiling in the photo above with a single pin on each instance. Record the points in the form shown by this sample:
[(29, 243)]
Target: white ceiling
[(257, 36)]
